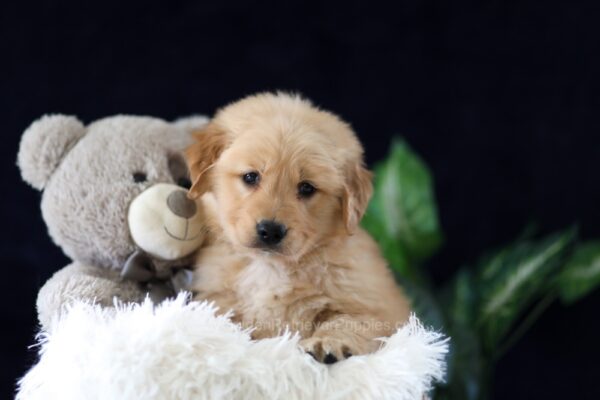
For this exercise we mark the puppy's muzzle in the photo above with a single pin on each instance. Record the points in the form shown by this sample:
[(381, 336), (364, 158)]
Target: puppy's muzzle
[(270, 233)]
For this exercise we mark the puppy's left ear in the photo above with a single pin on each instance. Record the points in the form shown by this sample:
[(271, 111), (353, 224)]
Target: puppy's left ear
[(357, 193), (202, 155)]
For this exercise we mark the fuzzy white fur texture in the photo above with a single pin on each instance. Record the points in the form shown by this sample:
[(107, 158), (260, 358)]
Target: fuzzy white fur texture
[(181, 350)]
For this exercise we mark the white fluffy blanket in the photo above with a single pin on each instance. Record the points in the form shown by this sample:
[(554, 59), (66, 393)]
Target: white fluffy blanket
[(181, 350)]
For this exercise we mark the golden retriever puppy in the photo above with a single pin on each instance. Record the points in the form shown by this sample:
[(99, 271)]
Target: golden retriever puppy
[(284, 186)]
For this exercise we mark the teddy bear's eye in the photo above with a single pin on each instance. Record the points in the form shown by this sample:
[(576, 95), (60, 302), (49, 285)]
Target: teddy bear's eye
[(140, 177), (179, 171), (184, 183)]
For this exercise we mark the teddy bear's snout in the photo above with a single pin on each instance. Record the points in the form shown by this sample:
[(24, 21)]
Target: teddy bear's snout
[(180, 205), (165, 223)]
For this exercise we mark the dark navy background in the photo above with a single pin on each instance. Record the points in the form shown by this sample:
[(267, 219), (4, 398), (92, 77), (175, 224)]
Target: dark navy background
[(500, 98)]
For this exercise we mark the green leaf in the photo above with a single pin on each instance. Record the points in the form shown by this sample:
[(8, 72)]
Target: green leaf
[(465, 362), (465, 366), (392, 250), (511, 280), (423, 304), (403, 208), (581, 273), (459, 299)]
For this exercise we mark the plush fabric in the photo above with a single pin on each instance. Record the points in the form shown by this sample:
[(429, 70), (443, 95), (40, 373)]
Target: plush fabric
[(89, 175), (45, 144), (162, 234), (181, 350), (79, 281)]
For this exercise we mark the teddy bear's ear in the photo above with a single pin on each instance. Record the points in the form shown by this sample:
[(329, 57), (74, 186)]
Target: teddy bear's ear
[(193, 123), (44, 144)]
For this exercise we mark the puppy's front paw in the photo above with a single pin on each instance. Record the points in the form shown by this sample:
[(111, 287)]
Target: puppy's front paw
[(329, 349)]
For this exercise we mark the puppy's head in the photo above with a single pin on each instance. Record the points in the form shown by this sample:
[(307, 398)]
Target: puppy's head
[(287, 177)]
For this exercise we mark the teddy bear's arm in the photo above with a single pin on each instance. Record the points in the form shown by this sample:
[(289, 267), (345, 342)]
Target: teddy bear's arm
[(81, 282)]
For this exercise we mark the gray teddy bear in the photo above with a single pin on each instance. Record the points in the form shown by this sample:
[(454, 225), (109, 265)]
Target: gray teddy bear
[(114, 199)]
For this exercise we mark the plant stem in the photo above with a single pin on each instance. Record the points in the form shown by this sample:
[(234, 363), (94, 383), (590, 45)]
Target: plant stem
[(529, 320)]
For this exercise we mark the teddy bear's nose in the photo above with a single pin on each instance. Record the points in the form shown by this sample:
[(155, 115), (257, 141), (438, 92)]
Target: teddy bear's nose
[(180, 205)]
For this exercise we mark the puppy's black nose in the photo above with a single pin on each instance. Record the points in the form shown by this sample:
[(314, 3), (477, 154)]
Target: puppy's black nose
[(270, 232)]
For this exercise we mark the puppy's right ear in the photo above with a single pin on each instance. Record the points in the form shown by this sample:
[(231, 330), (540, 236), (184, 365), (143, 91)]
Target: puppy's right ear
[(202, 155), (357, 193)]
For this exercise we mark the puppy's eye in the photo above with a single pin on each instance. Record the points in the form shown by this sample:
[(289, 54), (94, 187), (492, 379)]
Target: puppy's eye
[(184, 183), (305, 189), (140, 177), (251, 178)]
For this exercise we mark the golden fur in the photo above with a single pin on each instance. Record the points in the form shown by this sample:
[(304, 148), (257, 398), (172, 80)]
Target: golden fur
[(327, 279)]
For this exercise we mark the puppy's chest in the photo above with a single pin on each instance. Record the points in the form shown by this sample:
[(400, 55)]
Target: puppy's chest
[(262, 284), (270, 295)]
